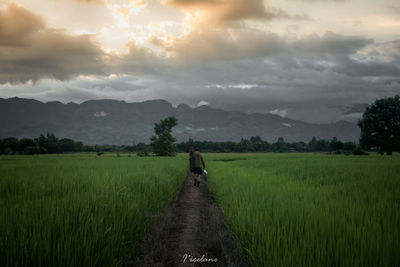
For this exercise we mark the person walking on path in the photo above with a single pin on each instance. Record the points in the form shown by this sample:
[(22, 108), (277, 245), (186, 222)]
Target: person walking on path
[(191, 162), (198, 166)]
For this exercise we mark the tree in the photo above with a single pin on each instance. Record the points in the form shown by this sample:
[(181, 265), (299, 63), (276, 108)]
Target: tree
[(27, 146), (312, 145), (162, 143), (244, 145), (322, 145), (257, 143), (142, 150), (380, 125), (336, 145), (280, 146), (299, 146), (10, 145), (52, 143), (349, 146), (41, 141), (66, 145)]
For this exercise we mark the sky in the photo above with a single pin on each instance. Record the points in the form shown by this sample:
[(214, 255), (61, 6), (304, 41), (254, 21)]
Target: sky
[(318, 61)]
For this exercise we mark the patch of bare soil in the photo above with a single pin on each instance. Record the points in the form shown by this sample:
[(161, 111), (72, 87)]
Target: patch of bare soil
[(192, 232)]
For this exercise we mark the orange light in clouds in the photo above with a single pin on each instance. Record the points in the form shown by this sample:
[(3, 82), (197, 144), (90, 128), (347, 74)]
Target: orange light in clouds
[(123, 12)]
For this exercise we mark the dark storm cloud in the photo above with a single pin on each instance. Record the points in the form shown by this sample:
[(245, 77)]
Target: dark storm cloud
[(138, 61), (215, 44), (31, 51), (330, 43), (309, 77), (273, 84), (381, 61), (354, 108)]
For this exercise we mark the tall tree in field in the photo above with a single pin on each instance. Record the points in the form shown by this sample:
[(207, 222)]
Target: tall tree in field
[(163, 142), (380, 125)]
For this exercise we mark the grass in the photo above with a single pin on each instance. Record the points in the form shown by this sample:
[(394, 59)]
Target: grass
[(283, 209), (80, 210), (311, 209)]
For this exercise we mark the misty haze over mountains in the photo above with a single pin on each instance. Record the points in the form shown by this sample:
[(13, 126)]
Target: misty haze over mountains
[(118, 123)]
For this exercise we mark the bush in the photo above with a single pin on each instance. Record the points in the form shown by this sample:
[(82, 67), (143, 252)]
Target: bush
[(142, 153), (359, 152), (31, 150)]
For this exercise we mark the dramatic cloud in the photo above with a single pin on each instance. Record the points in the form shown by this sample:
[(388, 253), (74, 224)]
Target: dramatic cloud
[(331, 43), (226, 11), (312, 1), (16, 22), (249, 55), (31, 51), (215, 44), (98, 2)]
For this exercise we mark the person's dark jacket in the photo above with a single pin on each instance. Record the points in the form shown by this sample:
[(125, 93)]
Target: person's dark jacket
[(198, 161), (191, 161)]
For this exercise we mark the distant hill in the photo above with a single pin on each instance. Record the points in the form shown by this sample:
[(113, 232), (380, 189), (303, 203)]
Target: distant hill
[(118, 122)]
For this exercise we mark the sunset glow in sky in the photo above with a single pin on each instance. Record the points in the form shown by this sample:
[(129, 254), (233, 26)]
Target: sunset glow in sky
[(314, 60)]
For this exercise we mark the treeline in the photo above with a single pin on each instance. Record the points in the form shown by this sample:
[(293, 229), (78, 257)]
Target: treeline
[(256, 144), (44, 144), (50, 144)]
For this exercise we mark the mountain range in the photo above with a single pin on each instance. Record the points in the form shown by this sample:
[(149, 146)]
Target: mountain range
[(120, 123)]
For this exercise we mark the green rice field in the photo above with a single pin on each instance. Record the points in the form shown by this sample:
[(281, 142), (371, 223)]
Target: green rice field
[(80, 210), (311, 209), (283, 209)]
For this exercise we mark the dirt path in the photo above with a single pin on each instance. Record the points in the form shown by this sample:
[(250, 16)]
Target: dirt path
[(192, 232)]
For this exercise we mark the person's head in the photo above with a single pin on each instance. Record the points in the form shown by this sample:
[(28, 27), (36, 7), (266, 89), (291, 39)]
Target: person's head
[(197, 148)]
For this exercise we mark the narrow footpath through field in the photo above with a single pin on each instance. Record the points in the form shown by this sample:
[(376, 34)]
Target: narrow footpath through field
[(192, 232)]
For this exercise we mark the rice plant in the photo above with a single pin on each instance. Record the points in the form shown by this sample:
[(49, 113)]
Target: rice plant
[(311, 209), (80, 210)]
